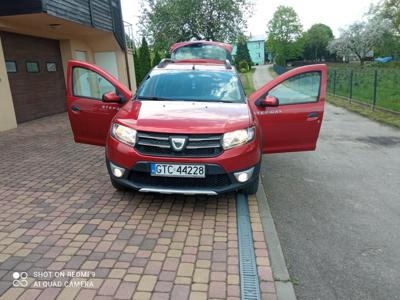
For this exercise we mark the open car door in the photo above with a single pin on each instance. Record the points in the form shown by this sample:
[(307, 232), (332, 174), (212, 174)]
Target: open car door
[(93, 99), (290, 108)]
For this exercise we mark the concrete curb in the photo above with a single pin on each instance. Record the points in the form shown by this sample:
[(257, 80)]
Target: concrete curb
[(283, 285)]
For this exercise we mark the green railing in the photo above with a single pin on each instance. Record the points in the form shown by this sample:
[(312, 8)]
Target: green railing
[(377, 87)]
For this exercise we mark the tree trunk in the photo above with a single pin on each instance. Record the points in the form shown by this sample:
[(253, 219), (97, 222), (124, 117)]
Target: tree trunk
[(361, 58)]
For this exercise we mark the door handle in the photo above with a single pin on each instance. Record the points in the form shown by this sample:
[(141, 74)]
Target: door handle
[(313, 115), (75, 108)]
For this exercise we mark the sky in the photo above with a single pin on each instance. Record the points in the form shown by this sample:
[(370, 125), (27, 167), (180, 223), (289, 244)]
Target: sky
[(336, 14)]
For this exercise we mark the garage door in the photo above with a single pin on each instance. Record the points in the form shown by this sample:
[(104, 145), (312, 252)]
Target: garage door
[(36, 75)]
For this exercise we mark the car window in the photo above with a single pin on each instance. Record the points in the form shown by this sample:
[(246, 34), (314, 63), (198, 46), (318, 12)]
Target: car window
[(193, 86), (302, 88), (201, 51), (89, 84)]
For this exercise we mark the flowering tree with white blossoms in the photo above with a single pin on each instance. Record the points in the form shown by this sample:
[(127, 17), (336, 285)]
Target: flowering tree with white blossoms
[(360, 38)]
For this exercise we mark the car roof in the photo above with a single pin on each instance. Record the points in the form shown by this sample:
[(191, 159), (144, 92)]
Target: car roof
[(175, 46), (169, 65)]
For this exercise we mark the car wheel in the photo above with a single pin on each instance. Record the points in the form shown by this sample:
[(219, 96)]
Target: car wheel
[(253, 188), (117, 186)]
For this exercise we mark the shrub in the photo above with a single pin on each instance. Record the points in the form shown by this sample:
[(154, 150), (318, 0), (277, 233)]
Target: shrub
[(243, 66)]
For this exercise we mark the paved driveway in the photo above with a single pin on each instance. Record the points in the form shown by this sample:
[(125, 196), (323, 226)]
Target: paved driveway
[(59, 215), (337, 210)]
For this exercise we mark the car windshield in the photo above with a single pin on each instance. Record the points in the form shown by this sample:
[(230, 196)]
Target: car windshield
[(201, 51), (193, 85)]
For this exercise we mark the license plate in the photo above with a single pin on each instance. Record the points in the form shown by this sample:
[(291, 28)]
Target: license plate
[(174, 170)]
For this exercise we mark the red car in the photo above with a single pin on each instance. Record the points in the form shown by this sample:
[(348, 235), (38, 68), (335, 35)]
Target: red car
[(189, 128)]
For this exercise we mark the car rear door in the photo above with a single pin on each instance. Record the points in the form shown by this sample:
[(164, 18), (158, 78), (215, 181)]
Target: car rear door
[(89, 114), (294, 124)]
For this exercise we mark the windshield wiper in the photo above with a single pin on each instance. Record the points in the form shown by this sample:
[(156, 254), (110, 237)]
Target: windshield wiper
[(153, 98), (216, 100), (206, 100), (225, 101)]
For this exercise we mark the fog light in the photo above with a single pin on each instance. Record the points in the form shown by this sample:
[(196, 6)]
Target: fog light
[(244, 176), (117, 171)]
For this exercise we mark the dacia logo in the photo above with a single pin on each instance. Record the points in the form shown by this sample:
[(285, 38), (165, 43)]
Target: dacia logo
[(178, 143)]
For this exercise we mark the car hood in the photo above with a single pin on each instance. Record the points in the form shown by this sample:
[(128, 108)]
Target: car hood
[(184, 116)]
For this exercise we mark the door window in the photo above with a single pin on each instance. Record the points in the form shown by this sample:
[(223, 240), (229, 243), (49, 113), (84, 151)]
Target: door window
[(89, 84), (302, 88)]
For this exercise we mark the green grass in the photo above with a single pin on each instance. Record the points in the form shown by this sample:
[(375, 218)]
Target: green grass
[(388, 91), (379, 116), (247, 81)]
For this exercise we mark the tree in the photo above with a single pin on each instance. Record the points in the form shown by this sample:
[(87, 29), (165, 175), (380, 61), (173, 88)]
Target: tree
[(165, 22), (156, 58), (389, 46), (316, 40), (142, 61), (359, 39), (242, 52), (284, 35), (389, 12), (137, 65)]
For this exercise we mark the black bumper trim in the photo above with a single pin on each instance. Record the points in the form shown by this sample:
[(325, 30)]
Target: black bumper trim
[(211, 169)]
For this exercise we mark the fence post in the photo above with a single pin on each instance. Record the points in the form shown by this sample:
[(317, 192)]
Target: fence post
[(351, 86), (375, 89), (334, 83)]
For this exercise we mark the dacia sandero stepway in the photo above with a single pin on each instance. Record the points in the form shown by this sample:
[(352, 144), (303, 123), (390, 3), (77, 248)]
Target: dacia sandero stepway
[(190, 128)]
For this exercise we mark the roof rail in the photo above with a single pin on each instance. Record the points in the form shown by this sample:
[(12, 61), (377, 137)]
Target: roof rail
[(228, 64), (164, 62)]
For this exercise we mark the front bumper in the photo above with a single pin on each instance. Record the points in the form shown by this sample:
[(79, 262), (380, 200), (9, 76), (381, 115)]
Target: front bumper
[(217, 181)]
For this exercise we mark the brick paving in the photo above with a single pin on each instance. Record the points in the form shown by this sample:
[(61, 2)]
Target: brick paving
[(59, 214)]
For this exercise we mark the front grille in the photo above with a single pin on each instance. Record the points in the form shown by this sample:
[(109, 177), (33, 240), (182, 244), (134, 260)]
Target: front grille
[(198, 145), (210, 181)]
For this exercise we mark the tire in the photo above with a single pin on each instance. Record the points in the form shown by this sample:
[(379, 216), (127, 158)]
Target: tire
[(117, 186), (253, 188)]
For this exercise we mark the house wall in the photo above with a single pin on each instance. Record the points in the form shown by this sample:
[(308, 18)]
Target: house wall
[(70, 37), (35, 94), (90, 46), (256, 49), (100, 14), (7, 114), (131, 66)]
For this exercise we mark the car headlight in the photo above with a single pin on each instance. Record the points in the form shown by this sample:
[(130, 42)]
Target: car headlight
[(238, 137), (124, 134)]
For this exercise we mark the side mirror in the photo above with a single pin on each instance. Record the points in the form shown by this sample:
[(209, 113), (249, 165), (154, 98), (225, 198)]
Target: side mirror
[(268, 101), (111, 97)]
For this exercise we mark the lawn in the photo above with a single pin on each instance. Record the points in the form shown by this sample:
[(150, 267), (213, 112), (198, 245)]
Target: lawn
[(388, 82), (247, 81), (380, 116)]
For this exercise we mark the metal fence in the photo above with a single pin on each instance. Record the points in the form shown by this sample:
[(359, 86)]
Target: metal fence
[(279, 69), (376, 87)]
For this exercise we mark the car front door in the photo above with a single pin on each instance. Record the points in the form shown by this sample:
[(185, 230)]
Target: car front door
[(93, 99), (290, 109)]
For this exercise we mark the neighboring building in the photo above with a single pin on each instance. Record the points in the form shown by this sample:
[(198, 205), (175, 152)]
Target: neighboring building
[(256, 46), (38, 37)]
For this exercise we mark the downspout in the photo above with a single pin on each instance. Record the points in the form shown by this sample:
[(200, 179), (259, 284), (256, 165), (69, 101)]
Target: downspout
[(127, 66)]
